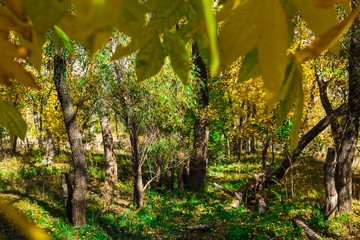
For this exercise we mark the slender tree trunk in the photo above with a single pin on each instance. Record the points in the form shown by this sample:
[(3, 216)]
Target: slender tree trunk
[(77, 151), (110, 158), (50, 146), (252, 145), (158, 179), (336, 128), (138, 184), (264, 152), (350, 137), (199, 155), (240, 139), (181, 161), (180, 176), (14, 146), (38, 127), (169, 178), (331, 199)]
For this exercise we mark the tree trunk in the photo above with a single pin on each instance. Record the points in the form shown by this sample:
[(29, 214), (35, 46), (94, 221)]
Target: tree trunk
[(180, 176), (169, 178), (77, 151), (181, 161), (158, 179), (68, 193), (264, 152), (198, 160), (252, 145), (138, 184), (349, 141), (336, 128), (14, 146), (50, 146), (110, 158), (199, 154), (38, 127), (331, 199)]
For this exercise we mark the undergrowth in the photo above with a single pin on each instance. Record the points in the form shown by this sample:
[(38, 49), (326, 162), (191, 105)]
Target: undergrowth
[(36, 190)]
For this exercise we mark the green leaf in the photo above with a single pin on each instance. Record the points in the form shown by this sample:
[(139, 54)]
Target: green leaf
[(65, 38), (250, 67), (179, 56), (237, 18), (296, 120), (45, 13), (11, 119), (211, 31), (121, 51), (288, 92), (150, 59), (272, 47)]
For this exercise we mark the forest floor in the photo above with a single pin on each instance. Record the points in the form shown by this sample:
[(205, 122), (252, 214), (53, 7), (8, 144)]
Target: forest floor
[(36, 190)]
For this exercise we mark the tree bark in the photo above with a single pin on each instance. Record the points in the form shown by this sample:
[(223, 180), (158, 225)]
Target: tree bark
[(38, 127), (199, 155), (350, 137), (180, 176), (138, 184), (252, 145), (264, 152), (14, 146), (336, 128), (110, 158), (68, 193), (50, 146), (79, 196), (169, 178), (331, 199)]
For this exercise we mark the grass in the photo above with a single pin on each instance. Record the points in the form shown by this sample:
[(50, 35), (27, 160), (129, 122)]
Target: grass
[(36, 190)]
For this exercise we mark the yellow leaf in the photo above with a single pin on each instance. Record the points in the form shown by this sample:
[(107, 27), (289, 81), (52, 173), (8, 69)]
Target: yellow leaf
[(4, 79), (239, 30), (11, 50), (17, 7), (272, 46), (9, 22), (124, 51), (44, 14), (10, 68), (19, 220), (329, 3), (179, 56), (149, 59), (328, 39), (35, 47), (319, 20), (299, 103)]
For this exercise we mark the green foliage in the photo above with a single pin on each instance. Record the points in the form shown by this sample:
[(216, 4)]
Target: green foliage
[(11, 118)]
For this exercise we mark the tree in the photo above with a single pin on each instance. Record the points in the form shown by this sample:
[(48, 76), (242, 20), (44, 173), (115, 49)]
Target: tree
[(351, 131), (110, 158), (199, 154), (79, 195)]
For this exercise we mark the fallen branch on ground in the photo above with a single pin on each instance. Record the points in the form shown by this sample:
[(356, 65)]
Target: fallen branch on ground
[(203, 227), (299, 222)]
